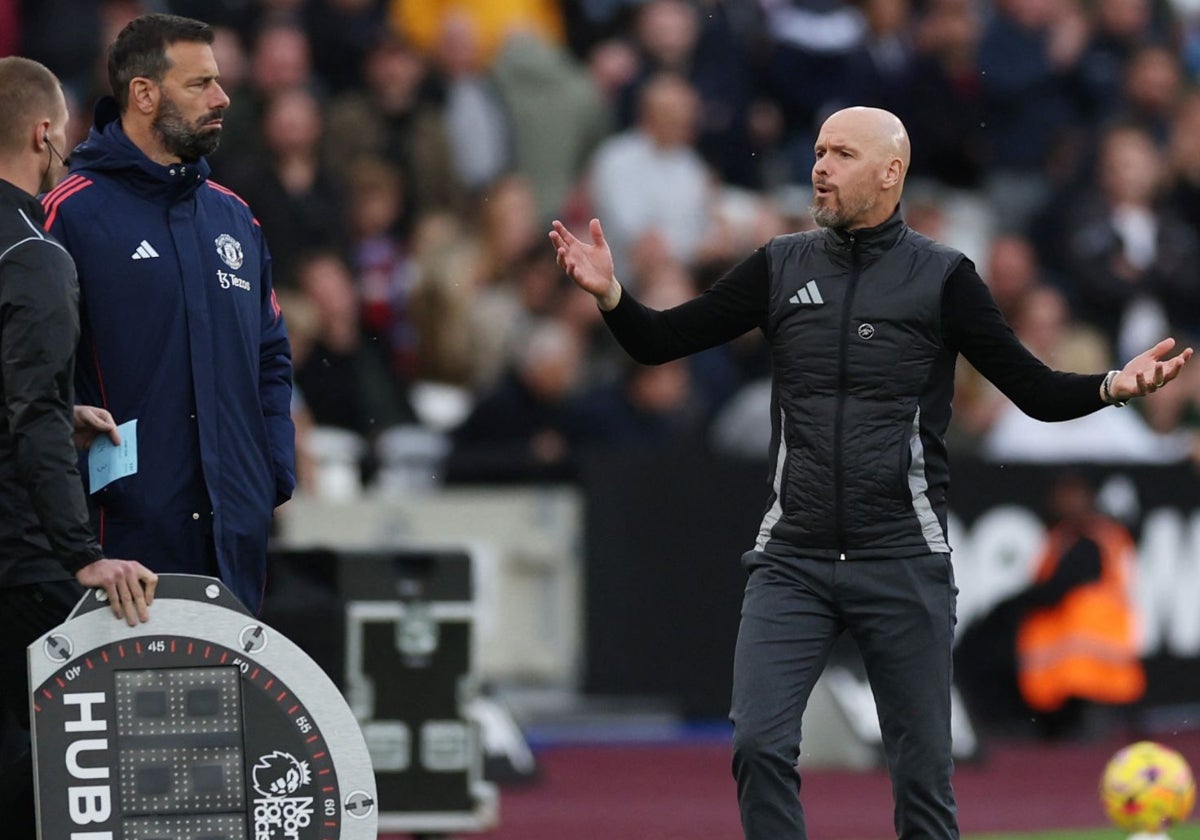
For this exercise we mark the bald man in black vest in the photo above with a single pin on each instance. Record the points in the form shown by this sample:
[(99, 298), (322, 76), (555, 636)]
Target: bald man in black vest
[(865, 319)]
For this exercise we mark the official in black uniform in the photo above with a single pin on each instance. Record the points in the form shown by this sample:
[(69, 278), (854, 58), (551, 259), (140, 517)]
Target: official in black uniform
[(48, 553), (865, 319)]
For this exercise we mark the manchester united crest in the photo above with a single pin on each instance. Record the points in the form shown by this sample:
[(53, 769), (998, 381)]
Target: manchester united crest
[(229, 250)]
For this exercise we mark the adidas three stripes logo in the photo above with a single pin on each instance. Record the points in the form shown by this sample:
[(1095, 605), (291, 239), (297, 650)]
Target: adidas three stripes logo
[(808, 295), (145, 251)]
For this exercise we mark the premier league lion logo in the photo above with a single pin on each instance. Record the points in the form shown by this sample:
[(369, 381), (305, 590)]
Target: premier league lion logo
[(280, 774)]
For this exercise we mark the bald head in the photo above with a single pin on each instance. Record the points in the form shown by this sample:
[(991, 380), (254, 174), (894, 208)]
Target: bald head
[(881, 130), (862, 156)]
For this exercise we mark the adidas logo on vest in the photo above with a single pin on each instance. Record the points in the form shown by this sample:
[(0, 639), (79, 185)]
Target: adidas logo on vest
[(809, 295)]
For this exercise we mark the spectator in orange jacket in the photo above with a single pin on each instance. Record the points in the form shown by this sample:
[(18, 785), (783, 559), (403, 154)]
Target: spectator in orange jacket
[(1076, 642)]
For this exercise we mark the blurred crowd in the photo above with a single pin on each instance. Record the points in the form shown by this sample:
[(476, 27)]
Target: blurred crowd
[(405, 158)]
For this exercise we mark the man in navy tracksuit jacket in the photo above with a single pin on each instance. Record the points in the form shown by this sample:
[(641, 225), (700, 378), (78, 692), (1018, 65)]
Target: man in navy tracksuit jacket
[(180, 327)]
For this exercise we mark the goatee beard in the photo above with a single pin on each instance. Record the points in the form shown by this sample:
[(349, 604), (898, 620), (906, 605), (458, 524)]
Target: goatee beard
[(828, 217)]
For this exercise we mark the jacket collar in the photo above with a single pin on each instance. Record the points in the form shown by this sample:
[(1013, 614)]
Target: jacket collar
[(13, 195), (867, 242), (108, 148)]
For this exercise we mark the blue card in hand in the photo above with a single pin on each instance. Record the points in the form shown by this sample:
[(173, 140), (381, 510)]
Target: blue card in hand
[(107, 461)]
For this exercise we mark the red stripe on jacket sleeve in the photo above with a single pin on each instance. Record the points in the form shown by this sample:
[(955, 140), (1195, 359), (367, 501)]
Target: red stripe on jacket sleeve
[(51, 205), (63, 185), (224, 190)]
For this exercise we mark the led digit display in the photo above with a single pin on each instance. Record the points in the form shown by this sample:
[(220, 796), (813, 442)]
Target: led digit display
[(179, 741)]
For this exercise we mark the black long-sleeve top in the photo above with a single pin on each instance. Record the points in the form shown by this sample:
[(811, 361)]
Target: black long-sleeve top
[(44, 529), (971, 325)]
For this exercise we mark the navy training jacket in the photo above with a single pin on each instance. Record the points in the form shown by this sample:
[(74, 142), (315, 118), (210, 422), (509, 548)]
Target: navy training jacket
[(181, 331)]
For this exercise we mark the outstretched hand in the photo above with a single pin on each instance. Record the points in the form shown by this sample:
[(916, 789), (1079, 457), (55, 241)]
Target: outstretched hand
[(1149, 371), (590, 266)]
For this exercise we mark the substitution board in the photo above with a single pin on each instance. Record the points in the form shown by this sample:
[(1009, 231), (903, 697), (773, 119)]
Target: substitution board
[(201, 724)]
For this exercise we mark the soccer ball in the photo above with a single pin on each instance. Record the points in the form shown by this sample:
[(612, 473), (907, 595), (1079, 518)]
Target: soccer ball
[(1147, 787)]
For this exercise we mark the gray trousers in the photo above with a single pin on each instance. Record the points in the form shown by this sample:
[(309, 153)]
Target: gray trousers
[(901, 613)]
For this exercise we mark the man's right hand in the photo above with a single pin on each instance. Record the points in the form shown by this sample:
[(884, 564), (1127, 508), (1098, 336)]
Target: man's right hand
[(129, 584), (590, 266)]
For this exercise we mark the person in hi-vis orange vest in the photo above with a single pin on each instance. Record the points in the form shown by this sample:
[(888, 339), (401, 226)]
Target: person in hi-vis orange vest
[(1078, 638)]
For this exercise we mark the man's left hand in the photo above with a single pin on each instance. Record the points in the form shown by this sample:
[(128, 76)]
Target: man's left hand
[(1149, 371)]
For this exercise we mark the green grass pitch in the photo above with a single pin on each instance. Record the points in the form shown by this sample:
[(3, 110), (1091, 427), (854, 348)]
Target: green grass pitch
[(1187, 831)]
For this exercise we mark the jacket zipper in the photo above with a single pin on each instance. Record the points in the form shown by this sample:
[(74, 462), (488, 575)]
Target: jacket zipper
[(843, 342)]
